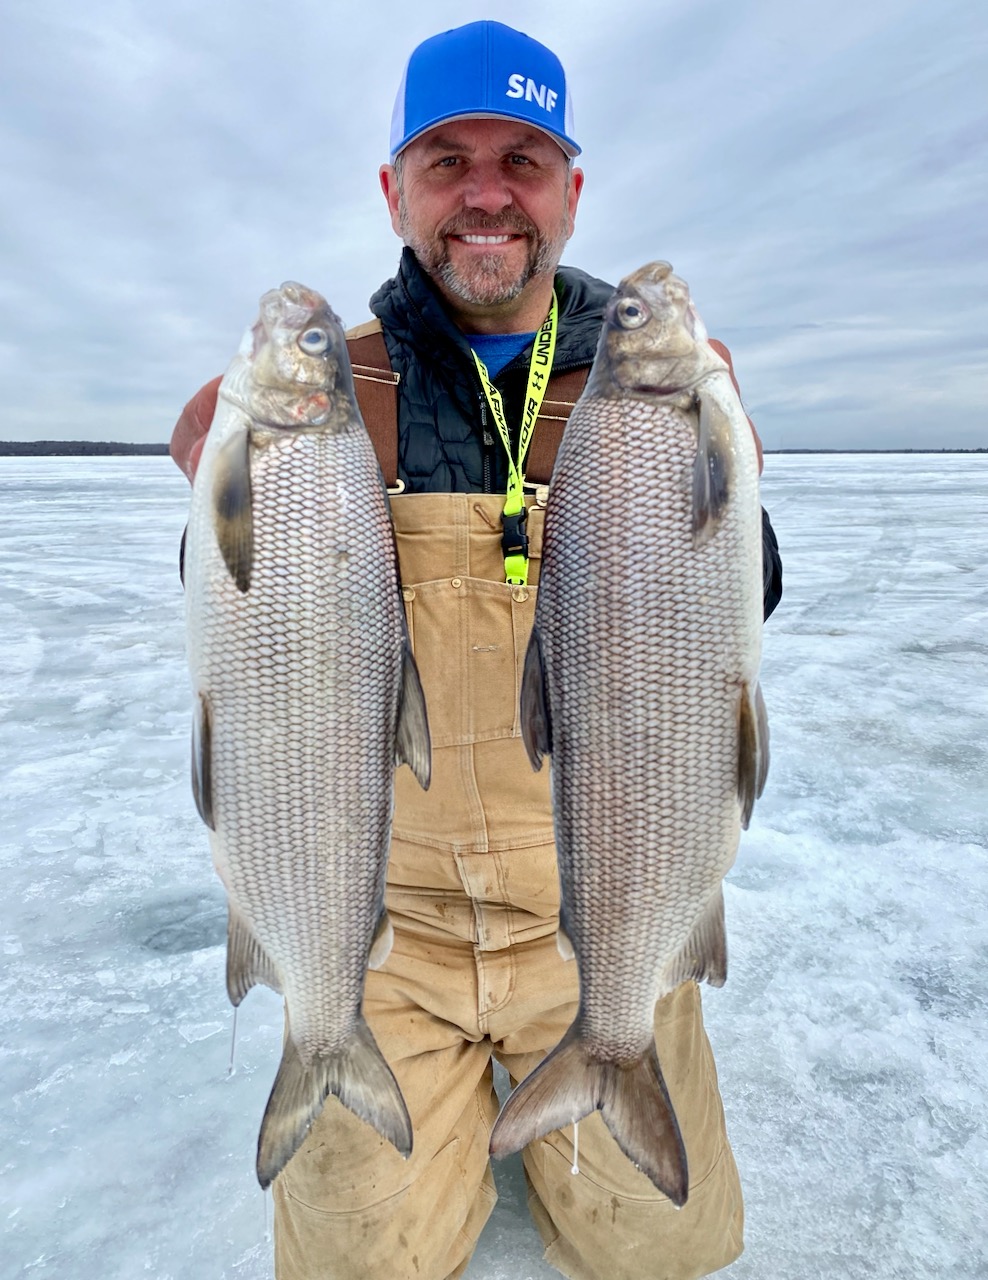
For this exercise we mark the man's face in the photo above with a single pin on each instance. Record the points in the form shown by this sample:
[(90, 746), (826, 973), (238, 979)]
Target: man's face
[(486, 206)]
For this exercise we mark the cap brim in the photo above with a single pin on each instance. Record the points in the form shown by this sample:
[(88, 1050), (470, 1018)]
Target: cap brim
[(566, 145)]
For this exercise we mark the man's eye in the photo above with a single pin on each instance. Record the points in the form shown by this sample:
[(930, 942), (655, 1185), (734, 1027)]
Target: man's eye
[(447, 162), (521, 160)]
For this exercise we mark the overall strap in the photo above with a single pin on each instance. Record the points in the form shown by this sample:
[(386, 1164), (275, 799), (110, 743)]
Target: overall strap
[(376, 386), (377, 396), (561, 395)]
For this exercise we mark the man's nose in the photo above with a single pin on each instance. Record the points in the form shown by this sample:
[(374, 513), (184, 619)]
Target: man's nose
[(485, 188)]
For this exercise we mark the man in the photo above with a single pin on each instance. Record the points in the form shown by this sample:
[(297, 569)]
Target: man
[(482, 190)]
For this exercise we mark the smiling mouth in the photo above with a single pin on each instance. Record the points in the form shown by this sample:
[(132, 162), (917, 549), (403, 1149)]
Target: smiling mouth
[(472, 238)]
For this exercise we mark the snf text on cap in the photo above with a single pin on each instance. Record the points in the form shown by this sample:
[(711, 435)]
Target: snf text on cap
[(520, 86)]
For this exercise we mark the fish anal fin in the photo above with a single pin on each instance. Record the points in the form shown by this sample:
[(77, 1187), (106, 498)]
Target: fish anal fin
[(632, 1097), (703, 957), (753, 749), (358, 1075), (412, 742), (536, 724), (233, 519), (384, 940), (713, 468), (247, 963), (202, 760)]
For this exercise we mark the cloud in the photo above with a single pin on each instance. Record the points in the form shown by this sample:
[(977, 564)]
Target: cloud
[(818, 177)]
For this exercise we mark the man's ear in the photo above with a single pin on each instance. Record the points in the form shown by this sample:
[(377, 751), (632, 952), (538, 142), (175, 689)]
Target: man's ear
[(389, 185), (573, 198)]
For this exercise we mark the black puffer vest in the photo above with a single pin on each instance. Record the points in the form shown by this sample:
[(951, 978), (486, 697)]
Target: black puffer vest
[(444, 442)]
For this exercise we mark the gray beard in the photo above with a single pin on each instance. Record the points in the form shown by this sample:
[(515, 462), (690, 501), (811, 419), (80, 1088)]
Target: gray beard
[(487, 285)]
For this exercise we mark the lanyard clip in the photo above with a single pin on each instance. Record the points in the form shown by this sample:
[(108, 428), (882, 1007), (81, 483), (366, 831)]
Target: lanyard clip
[(514, 546), (514, 540)]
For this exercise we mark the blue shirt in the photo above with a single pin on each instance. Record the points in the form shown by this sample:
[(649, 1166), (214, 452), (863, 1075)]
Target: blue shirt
[(498, 349)]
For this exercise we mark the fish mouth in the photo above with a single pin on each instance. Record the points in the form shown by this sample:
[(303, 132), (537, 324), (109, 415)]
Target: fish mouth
[(688, 386), (649, 389)]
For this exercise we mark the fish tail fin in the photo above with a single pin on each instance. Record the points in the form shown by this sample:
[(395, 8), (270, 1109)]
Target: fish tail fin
[(358, 1075), (632, 1099), (637, 1110)]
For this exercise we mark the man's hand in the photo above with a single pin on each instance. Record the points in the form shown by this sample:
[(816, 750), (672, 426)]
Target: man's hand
[(723, 352), (190, 431)]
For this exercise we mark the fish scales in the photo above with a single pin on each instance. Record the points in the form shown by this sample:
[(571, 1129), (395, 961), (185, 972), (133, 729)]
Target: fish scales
[(641, 680), (316, 649), (307, 695), (645, 758)]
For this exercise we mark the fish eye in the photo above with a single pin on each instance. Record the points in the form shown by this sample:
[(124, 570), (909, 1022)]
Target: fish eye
[(314, 342), (632, 313)]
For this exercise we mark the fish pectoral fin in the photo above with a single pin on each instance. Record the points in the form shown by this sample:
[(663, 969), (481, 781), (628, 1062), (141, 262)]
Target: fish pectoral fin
[(632, 1099), (202, 760), (358, 1075), (753, 749), (247, 963), (536, 723), (713, 468), (233, 517), (703, 957), (384, 939), (413, 745)]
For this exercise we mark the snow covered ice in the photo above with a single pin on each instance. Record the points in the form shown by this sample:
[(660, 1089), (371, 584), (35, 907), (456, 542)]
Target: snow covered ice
[(850, 1036)]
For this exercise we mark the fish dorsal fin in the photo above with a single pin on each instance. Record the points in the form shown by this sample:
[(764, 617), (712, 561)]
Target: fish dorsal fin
[(753, 750), (202, 760), (233, 518), (703, 957), (412, 743), (713, 469), (247, 963), (536, 724)]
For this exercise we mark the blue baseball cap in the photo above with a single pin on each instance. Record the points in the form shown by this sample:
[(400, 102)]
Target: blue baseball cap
[(488, 71)]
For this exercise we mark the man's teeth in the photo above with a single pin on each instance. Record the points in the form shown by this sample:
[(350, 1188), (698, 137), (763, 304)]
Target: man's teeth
[(485, 239)]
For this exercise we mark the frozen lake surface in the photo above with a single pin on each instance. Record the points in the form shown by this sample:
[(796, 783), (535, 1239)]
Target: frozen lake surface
[(850, 1036)]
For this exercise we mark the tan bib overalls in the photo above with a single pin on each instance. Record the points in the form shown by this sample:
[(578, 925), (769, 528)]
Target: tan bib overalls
[(474, 973)]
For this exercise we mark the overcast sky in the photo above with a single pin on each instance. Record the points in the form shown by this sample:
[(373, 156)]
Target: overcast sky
[(816, 171)]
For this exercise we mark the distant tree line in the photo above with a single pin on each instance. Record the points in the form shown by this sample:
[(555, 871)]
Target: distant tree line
[(79, 448)]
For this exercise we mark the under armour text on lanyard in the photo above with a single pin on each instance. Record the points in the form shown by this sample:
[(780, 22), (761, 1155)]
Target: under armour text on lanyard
[(514, 540)]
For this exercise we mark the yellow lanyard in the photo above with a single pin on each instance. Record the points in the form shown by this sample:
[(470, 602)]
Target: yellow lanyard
[(514, 542)]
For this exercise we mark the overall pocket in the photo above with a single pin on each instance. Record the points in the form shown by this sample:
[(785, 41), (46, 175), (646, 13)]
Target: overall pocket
[(469, 636)]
